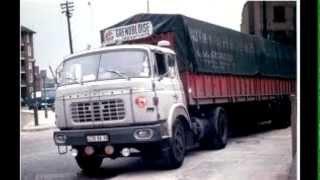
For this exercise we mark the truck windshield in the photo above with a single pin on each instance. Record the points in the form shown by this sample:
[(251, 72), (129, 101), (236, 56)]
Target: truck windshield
[(107, 65)]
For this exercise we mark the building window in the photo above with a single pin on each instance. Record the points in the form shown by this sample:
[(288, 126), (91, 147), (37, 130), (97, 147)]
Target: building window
[(278, 14), (22, 48), (27, 38), (23, 65), (30, 66), (30, 78), (29, 51)]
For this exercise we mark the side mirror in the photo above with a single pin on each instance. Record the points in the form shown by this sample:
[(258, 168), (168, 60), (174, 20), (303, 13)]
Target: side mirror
[(57, 73)]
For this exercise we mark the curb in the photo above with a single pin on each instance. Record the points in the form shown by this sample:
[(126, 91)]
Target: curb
[(24, 111), (37, 128)]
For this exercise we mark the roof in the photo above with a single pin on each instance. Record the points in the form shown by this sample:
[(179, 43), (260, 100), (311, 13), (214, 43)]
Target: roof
[(25, 29), (116, 47)]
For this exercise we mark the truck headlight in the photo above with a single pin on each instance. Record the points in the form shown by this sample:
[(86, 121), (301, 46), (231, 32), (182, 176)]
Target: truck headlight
[(143, 134), (60, 138)]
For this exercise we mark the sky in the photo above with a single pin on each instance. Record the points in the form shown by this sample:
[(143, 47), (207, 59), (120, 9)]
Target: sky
[(51, 42)]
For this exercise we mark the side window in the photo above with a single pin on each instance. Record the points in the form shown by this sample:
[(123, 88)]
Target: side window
[(161, 64), (279, 14), (171, 64)]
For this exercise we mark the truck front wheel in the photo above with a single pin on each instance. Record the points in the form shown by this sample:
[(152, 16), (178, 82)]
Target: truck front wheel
[(88, 163), (217, 135), (173, 157)]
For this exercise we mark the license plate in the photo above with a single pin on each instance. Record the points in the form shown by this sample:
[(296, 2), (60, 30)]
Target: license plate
[(98, 138)]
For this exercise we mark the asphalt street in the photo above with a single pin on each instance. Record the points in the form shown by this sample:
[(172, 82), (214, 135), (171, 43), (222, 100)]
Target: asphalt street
[(264, 155)]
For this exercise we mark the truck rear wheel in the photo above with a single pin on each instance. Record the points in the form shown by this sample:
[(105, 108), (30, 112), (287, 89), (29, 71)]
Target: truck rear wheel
[(88, 163), (174, 156), (217, 135)]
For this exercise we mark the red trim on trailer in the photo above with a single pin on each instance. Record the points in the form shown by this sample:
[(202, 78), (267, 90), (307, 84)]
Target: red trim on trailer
[(232, 86)]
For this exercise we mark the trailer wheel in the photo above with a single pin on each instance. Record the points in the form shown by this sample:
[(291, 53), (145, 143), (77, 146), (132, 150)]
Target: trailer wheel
[(173, 157), (217, 135), (88, 163), (282, 115)]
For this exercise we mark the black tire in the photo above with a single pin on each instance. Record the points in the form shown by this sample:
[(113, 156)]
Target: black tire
[(282, 115), (88, 163), (217, 135), (173, 157)]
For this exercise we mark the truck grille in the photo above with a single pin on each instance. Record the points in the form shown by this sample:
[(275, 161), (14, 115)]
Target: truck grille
[(105, 110)]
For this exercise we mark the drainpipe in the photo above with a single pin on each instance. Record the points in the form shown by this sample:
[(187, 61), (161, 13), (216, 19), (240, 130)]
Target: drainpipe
[(264, 20)]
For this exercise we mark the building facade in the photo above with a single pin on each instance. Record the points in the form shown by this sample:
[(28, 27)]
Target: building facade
[(275, 20), (27, 63)]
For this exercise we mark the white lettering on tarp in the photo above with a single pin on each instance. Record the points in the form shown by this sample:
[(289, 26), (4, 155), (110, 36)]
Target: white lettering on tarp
[(127, 33), (208, 51)]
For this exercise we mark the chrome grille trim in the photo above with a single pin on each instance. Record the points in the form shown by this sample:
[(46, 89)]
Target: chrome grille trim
[(92, 111)]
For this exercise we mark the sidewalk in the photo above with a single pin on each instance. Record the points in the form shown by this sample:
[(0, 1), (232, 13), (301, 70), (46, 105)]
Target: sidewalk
[(27, 117)]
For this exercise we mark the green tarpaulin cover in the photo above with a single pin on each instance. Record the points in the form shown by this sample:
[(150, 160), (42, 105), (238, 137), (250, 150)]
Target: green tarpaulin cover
[(207, 48)]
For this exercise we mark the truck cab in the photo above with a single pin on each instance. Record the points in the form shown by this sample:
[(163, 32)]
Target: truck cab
[(119, 101)]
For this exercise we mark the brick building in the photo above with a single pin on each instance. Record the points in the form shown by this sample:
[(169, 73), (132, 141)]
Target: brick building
[(26, 63), (274, 20)]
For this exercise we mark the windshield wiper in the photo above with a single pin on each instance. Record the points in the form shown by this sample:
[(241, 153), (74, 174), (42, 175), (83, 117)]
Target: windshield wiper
[(119, 74)]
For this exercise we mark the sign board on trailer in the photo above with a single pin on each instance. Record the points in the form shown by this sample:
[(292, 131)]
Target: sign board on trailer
[(126, 33)]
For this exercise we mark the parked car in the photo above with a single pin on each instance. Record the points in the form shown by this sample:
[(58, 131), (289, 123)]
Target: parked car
[(48, 98), (30, 102), (42, 99)]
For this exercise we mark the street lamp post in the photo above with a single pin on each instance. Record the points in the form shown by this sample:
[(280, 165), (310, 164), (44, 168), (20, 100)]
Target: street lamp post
[(35, 104), (44, 76)]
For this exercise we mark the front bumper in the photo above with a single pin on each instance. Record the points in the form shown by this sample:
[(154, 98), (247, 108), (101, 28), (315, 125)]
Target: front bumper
[(117, 135)]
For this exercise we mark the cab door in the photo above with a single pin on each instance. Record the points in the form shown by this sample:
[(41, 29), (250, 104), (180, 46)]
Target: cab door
[(167, 88)]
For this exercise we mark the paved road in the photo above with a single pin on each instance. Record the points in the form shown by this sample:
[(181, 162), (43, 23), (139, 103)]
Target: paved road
[(263, 155)]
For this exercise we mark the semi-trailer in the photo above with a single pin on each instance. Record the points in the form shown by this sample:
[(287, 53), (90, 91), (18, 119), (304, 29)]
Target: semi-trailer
[(162, 84)]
